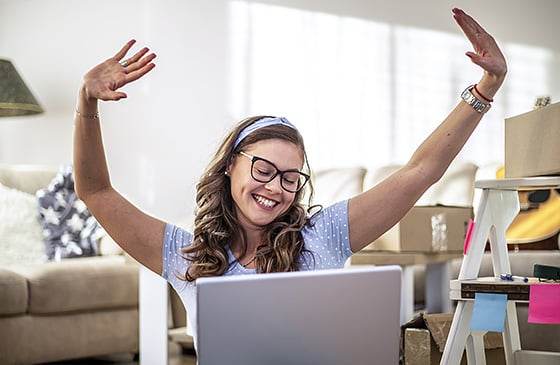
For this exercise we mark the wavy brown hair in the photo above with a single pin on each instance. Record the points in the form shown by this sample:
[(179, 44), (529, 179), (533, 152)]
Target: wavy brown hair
[(216, 224)]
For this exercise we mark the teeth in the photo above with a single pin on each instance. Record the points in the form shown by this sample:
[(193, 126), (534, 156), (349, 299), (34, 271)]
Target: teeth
[(267, 203)]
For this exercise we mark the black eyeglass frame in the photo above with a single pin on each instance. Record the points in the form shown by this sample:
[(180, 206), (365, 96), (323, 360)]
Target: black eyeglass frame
[(276, 173)]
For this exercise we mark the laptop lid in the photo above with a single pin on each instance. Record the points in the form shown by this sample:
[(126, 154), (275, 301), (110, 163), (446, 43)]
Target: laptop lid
[(341, 316)]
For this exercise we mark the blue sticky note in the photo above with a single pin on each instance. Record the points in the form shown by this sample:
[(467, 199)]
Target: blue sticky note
[(489, 312)]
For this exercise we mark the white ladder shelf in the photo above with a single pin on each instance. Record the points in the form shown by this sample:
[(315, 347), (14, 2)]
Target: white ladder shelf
[(498, 206)]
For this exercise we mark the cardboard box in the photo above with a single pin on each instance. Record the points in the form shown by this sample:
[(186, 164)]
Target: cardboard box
[(434, 228), (532, 143), (423, 341)]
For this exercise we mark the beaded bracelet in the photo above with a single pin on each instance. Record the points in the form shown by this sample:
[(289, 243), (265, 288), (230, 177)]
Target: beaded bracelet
[(482, 96), (94, 116)]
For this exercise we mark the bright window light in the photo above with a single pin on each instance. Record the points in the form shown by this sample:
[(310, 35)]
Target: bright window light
[(365, 93)]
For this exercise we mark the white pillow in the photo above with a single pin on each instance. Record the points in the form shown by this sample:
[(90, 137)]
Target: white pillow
[(21, 235)]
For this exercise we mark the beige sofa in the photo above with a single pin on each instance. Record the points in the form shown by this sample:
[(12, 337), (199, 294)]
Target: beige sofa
[(52, 311), (456, 188)]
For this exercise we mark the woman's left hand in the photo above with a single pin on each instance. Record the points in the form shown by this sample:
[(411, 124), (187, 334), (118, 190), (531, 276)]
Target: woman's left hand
[(486, 53)]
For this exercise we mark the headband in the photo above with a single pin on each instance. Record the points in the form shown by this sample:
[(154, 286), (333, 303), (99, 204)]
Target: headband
[(261, 123)]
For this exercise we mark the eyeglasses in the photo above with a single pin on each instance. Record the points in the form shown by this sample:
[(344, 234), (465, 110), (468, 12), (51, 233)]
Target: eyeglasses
[(265, 171)]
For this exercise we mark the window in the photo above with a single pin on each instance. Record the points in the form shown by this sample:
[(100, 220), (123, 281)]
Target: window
[(364, 91)]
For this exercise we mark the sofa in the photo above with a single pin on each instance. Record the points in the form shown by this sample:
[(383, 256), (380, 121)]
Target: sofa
[(65, 309), (455, 188)]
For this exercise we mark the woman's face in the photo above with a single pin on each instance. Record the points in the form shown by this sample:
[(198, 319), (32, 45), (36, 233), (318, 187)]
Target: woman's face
[(258, 204)]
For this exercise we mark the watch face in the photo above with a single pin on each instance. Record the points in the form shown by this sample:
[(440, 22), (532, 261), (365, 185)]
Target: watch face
[(477, 105), (473, 101)]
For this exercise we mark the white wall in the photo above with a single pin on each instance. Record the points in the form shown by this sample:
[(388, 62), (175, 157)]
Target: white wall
[(172, 119), (159, 140)]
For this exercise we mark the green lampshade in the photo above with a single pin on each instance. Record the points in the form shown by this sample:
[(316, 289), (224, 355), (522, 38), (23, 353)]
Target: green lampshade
[(15, 98)]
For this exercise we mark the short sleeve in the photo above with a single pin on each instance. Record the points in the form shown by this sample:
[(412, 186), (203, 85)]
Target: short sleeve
[(328, 237), (174, 262), (175, 267)]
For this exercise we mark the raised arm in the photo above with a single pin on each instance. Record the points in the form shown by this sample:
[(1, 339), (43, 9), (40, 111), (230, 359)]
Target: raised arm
[(137, 233), (375, 211)]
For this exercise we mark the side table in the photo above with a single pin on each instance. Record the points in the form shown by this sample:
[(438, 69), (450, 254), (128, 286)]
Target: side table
[(153, 315)]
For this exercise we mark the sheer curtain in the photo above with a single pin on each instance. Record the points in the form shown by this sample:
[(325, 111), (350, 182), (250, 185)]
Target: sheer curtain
[(365, 93)]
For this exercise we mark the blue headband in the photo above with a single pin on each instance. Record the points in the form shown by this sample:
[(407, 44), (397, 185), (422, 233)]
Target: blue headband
[(261, 123)]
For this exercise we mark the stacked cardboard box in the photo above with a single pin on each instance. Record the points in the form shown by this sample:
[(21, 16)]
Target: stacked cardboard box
[(434, 228), (532, 143)]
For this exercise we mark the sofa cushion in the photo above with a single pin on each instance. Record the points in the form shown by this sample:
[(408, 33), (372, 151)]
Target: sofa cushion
[(13, 293), (21, 237), (81, 284), (27, 178), (455, 188), (54, 339), (108, 246), (375, 175), (334, 185)]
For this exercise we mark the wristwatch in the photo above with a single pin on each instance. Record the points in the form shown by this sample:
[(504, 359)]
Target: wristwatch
[(475, 102)]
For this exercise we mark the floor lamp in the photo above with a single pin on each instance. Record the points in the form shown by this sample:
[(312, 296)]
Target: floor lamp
[(15, 97)]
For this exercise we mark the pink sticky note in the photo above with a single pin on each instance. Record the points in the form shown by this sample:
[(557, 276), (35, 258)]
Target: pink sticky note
[(468, 236), (543, 303)]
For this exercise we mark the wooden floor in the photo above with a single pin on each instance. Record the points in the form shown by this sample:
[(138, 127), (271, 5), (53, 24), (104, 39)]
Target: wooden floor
[(176, 357)]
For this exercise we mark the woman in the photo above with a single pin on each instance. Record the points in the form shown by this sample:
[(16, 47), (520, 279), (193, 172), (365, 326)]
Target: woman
[(250, 215)]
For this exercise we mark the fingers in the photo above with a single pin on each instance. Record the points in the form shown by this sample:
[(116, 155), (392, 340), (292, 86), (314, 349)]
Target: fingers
[(134, 67), (486, 53), (141, 68), (477, 60), (124, 50), (112, 95), (138, 60), (470, 27)]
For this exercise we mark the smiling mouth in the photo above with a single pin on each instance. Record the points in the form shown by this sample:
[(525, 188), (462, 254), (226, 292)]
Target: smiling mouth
[(267, 203)]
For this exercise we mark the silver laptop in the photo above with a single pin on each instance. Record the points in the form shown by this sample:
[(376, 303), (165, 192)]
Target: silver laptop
[(342, 316)]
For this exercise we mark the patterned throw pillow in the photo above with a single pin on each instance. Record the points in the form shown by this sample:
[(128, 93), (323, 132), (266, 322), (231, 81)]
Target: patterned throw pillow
[(68, 227)]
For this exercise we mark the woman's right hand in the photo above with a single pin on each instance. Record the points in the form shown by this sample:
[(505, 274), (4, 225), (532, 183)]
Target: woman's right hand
[(104, 80)]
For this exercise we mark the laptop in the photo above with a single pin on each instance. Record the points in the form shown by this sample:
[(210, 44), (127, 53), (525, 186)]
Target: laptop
[(338, 316)]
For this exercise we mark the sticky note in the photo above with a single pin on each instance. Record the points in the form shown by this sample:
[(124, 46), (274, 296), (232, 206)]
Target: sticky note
[(468, 236), (489, 312), (544, 299)]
